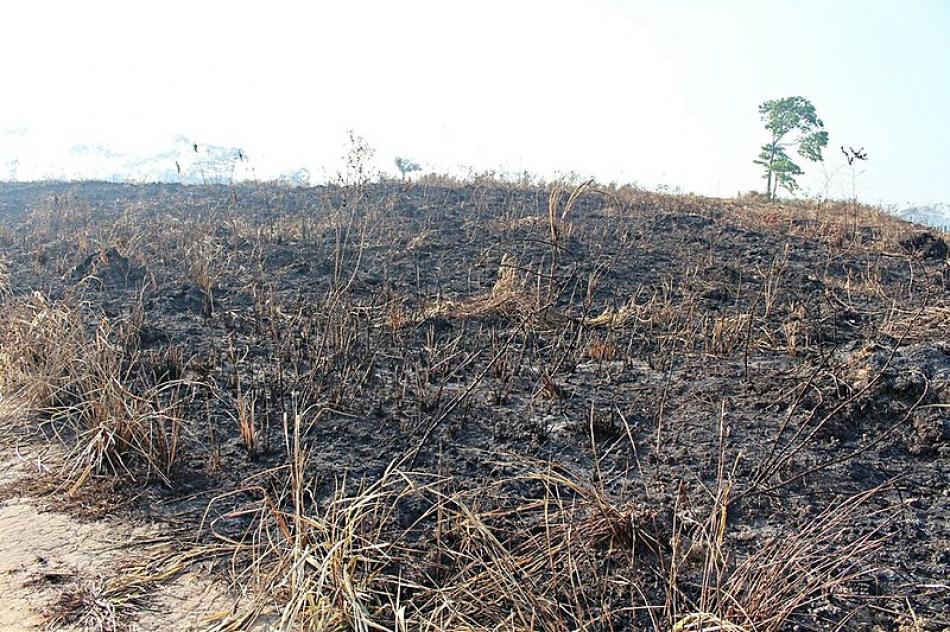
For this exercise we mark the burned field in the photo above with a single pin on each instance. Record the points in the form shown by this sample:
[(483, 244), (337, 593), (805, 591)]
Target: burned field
[(490, 406)]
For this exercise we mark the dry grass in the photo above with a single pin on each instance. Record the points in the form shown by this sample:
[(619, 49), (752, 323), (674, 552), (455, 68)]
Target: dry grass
[(110, 604), (491, 558), (97, 605), (790, 572), (200, 257), (309, 565), (117, 409), (728, 333), (512, 295), (615, 317), (532, 546)]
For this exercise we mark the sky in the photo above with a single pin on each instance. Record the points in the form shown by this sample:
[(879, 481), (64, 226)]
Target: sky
[(661, 93)]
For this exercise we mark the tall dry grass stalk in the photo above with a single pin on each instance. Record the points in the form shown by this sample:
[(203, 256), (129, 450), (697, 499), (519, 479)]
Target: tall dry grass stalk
[(557, 218)]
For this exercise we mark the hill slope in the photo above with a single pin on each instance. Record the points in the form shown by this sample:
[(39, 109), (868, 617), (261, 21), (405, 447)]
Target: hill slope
[(525, 408)]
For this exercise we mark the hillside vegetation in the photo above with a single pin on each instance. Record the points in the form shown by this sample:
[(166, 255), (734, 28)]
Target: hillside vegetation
[(488, 405)]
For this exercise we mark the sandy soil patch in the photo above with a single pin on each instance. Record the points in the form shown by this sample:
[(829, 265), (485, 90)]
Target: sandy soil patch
[(47, 555)]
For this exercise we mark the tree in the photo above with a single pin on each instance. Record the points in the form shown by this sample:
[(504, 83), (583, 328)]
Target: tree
[(792, 122), (406, 166)]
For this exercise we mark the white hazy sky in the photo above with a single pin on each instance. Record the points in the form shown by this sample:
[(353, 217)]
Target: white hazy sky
[(655, 92)]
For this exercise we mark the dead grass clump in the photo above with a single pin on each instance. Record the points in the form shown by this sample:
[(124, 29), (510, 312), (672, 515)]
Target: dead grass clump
[(397, 316), (40, 341), (558, 213), (728, 333), (111, 604), (200, 258), (316, 566), (552, 563), (535, 551), (116, 408), (788, 573), (465, 561), (512, 295), (6, 235), (615, 318), (839, 224), (98, 605), (419, 240), (795, 330)]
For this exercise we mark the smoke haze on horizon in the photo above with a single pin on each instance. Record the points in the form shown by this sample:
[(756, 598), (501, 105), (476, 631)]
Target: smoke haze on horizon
[(655, 93)]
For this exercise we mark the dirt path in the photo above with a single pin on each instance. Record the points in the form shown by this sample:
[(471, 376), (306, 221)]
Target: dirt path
[(46, 555)]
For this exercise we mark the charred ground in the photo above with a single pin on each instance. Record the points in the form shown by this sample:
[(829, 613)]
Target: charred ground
[(556, 408)]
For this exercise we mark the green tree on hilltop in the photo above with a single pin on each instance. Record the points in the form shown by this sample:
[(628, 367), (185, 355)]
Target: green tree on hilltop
[(406, 166), (792, 122)]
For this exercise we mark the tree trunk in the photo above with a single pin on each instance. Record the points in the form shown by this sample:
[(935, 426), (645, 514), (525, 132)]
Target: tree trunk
[(769, 193)]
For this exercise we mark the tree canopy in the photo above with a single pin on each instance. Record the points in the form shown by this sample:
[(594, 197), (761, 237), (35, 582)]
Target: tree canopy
[(791, 122), (405, 165)]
